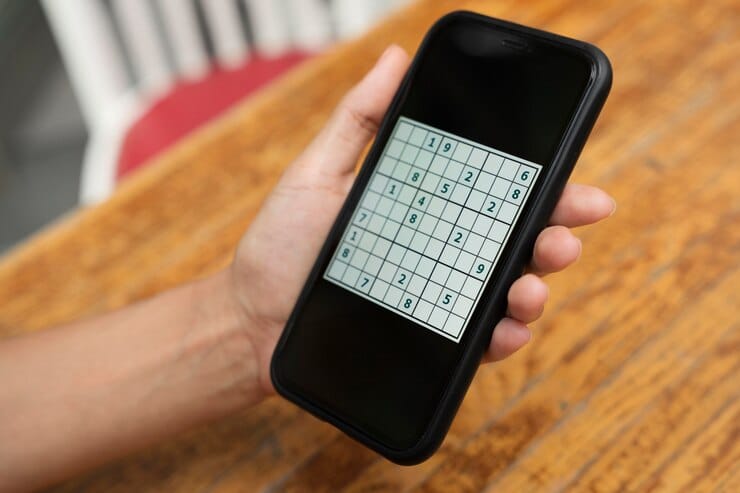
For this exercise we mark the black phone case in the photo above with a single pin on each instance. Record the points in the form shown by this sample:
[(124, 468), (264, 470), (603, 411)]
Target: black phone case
[(520, 248)]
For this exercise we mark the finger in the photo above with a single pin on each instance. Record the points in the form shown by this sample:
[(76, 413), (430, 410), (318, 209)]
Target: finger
[(582, 204), (508, 337), (527, 297), (355, 121), (555, 249)]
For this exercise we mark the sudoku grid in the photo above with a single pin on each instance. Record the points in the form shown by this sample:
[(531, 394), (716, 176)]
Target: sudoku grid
[(429, 228)]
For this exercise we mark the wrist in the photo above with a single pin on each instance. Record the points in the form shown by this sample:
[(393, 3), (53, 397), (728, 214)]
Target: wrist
[(233, 331)]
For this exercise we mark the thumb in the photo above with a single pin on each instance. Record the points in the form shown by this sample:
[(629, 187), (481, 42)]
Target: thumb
[(355, 121)]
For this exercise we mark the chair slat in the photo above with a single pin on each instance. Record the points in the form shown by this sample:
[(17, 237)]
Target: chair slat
[(181, 27), (143, 44), (224, 25), (269, 25), (91, 55), (310, 24)]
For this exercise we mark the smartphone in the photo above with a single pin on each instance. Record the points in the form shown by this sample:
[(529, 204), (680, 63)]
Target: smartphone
[(465, 170)]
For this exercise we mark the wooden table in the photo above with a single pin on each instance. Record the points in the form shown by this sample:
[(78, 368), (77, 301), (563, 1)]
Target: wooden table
[(631, 381)]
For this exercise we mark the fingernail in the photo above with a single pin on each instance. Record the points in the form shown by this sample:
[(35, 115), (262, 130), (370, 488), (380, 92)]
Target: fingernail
[(384, 55), (614, 207)]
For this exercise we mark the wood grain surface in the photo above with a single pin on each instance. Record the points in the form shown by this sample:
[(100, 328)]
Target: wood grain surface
[(632, 380)]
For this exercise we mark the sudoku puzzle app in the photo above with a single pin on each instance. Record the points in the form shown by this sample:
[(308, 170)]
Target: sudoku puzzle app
[(430, 226)]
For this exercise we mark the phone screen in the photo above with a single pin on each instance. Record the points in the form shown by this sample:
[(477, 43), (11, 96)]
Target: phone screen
[(430, 226), (380, 331)]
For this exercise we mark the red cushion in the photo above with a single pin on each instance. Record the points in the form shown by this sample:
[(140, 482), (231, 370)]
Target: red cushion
[(190, 104)]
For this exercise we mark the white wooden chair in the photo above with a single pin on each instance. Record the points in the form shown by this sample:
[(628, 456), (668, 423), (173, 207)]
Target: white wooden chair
[(123, 54)]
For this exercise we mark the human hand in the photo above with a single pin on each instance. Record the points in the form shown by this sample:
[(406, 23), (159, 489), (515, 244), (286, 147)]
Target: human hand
[(295, 220)]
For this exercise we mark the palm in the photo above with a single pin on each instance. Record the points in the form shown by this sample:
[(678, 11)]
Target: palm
[(280, 247)]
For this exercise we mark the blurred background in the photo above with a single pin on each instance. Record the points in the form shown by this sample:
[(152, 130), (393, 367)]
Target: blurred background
[(91, 90)]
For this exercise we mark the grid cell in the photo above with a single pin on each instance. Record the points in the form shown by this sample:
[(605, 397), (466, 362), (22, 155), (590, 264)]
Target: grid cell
[(424, 159), (438, 317), (336, 270), (364, 282), (410, 260), (407, 303), (430, 182), (439, 163), (442, 230), (469, 176), (477, 158), (350, 275), (404, 236), (417, 285), (465, 261), (493, 164), (395, 254), (491, 206), (394, 149), (417, 136), (508, 169), (423, 310), (507, 212), (409, 153), (407, 195), (372, 266), (447, 147), (475, 200), (359, 259), (370, 201), (386, 165), (453, 170), (354, 235), (431, 292), (466, 219), (387, 271), (425, 267), (454, 324), (393, 296), (525, 175), (471, 288), (484, 182), (381, 247), (498, 231), (473, 243), (427, 224), (462, 152), (398, 212), (451, 212), (449, 255), (500, 187), (362, 217), (376, 223), (390, 229), (401, 171), (460, 194), (432, 141), (440, 274), (403, 131), (419, 242), (379, 289), (434, 248), (436, 206), (415, 177), (455, 281), (489, 250)]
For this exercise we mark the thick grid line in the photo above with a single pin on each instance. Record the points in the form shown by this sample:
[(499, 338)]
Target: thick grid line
[(466, 196)]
